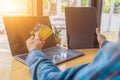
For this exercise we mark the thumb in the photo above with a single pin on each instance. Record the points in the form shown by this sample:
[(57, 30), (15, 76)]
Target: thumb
[(97, 31), (43, 42), (37, 35)]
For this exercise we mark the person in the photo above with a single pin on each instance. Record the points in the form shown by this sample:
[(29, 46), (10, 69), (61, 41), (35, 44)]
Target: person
[(105, 65)]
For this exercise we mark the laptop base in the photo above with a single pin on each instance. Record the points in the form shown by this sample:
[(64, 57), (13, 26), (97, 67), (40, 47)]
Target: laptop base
[(57, 54)]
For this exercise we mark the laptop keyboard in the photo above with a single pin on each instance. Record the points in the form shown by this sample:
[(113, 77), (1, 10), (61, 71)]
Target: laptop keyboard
[(56, 54), (52, 51), (23, 56), (59, 54)]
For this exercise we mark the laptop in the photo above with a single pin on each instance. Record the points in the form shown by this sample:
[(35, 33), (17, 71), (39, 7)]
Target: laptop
[(18, 31), (81, 23)]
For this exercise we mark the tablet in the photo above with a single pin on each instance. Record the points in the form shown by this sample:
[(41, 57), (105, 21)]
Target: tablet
[(81, 23)]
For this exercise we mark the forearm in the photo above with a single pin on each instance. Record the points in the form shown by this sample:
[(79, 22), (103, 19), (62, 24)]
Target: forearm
[(43, 69), (40, 66)]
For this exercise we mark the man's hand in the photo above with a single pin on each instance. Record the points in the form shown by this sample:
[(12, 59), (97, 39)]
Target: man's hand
[(34, 42), (101, 38)]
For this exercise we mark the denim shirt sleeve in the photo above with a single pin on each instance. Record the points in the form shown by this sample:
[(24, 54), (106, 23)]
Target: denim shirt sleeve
[(105, 42), (43, 68), (34, 55), (105, 66), (40, 66)]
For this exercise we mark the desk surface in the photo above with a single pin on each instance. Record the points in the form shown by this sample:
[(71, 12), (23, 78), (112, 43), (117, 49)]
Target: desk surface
[(20, 71)]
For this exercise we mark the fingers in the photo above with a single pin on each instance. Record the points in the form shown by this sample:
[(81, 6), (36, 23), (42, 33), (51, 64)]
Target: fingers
[(32, 37), (29, 40), (97, 31), (37, 35), (43, 42)]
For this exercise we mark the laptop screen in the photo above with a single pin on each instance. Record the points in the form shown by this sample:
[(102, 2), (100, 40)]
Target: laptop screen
[(18, 31), (81, 23)]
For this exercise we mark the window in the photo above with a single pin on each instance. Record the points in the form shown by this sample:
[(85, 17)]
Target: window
[(55, 9), (11, 8), (14, 7), (110, 19)]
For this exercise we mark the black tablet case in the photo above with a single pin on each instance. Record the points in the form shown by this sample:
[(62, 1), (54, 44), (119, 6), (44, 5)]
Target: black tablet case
[(81, 23)]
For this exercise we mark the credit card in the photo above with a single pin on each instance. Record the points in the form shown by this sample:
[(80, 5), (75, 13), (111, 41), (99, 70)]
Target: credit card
[(44, 30)]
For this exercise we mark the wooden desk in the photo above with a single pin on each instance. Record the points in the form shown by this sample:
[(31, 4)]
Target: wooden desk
[(21, 72)]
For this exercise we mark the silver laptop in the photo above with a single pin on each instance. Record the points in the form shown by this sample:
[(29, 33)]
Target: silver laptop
[(18, 31)]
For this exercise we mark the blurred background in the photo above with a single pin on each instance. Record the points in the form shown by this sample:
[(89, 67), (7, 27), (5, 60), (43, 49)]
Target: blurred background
[(108, 15)]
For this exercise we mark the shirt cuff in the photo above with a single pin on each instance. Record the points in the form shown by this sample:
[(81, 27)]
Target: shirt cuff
[(33, 55), (105, 42)]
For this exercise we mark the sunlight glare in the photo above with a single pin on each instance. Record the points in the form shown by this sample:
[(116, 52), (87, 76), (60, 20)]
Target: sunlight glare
[(7, 6)]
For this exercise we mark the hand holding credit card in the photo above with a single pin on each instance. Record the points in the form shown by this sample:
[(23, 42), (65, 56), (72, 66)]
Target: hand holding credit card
[(44, 30)]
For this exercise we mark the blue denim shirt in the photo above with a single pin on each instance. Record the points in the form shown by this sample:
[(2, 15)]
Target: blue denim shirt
[(105, 66)]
